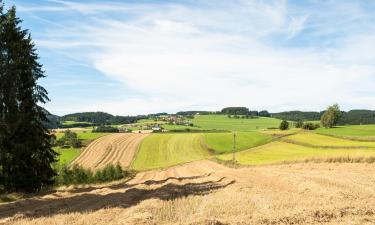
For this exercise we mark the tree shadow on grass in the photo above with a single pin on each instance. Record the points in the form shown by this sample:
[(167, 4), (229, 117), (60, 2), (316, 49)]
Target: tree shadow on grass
[(121, 196)]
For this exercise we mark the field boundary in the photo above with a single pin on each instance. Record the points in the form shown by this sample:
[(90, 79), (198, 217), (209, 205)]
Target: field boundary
[(350, 138), (323, 146)]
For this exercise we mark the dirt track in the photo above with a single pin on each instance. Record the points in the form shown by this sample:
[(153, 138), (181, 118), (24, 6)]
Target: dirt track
[(204, 192), (110, 149)]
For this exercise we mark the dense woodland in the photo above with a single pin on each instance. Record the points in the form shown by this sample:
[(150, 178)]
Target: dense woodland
[(351, 117)]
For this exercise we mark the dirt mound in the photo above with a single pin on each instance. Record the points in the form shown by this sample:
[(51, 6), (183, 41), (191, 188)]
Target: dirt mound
[(110, 149), (205, 192)]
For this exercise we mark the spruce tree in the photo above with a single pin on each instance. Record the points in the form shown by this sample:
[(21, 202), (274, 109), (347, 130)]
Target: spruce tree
[(26, 154)]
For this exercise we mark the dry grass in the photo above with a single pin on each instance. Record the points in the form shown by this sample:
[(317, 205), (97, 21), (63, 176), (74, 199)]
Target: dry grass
[(111, 149), (205, 192)]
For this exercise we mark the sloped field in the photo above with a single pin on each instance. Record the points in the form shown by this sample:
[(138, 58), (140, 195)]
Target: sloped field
[(204, 192), (111, 149), (317, 140), (278, 152), (163, 150)]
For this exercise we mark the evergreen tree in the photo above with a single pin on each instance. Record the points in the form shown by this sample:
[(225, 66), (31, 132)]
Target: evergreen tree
[(25, 149)]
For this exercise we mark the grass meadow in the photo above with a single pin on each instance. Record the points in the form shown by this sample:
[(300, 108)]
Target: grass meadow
[(223, 142), (222, 122), (163, 150), (350, 131), (277, 152)]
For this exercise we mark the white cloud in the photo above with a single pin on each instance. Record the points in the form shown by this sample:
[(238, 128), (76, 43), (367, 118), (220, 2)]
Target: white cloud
[(177, 57)]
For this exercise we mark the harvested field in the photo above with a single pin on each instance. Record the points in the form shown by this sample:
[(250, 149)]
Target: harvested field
[(111, 149), (204, 192)]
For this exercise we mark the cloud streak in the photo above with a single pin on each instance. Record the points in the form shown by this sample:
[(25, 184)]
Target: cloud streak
[(196, 55)]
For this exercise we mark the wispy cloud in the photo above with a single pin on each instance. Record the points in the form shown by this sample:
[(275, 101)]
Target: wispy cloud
[(276, 55)]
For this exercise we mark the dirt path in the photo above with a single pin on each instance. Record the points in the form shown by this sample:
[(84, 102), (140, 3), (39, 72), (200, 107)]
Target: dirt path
[(205, 192), (111, 149)]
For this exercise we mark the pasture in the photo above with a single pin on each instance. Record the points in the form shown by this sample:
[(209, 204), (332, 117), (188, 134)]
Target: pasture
[(163, 150), (279, 152), (223, 142), (357, 131), (222, 122), (309, 138), (67, 154)]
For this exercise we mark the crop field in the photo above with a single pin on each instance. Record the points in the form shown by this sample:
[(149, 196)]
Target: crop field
[(310, 138), (204, 192), (277, 152), (163, 150), (223, 142), (222, 122), (84, 135), (360, 131), (277, 132), (180, 127), (111, 149)]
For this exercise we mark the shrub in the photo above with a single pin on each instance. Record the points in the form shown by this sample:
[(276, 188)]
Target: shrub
[(79, 175), (284, 125), (69, 139), (310, 126), (105, 129)]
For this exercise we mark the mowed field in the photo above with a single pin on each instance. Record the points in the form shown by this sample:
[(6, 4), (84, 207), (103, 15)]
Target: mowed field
[(163, 150), (356, 131), (206, 193), (223, 142), (112, 149), (222, 122)]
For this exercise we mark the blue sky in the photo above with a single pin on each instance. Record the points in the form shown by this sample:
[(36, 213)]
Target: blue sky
[(136, 57)]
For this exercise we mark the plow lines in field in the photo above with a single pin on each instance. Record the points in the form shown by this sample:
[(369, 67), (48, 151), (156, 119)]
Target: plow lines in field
[(111, 149)]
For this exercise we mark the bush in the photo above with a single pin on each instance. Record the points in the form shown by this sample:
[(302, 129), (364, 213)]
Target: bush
[(105, 129), (310, 126), (79, 175), (284, 125), (69, 139)]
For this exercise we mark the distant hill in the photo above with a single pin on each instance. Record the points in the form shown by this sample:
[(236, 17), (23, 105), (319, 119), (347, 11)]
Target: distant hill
[(100, 118), (352, 117)]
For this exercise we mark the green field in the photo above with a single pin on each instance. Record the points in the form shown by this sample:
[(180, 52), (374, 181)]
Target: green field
[(322, 140), (162, 150), (67, 154), (278, 132), (74, 122), (222, 122), (350, 131), (88, 135), (223, 142), (276, 152), (180, 127)]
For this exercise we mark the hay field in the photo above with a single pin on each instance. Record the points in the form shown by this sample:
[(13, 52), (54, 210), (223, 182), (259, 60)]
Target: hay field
[(207, 193), (163, 150), (111, 149)]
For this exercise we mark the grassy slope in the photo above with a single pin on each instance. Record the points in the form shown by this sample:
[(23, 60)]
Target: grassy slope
[(222, 122), (67, 154), (322, 140), (279, 151), (88, 135), (223, 142), (162, 150), (354, 130), (180, 127)]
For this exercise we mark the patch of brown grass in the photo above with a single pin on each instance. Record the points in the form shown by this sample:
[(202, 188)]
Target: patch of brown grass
[(205, 192)]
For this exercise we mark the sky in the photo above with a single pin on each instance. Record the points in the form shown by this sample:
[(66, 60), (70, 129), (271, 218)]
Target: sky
[(139, 57)]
